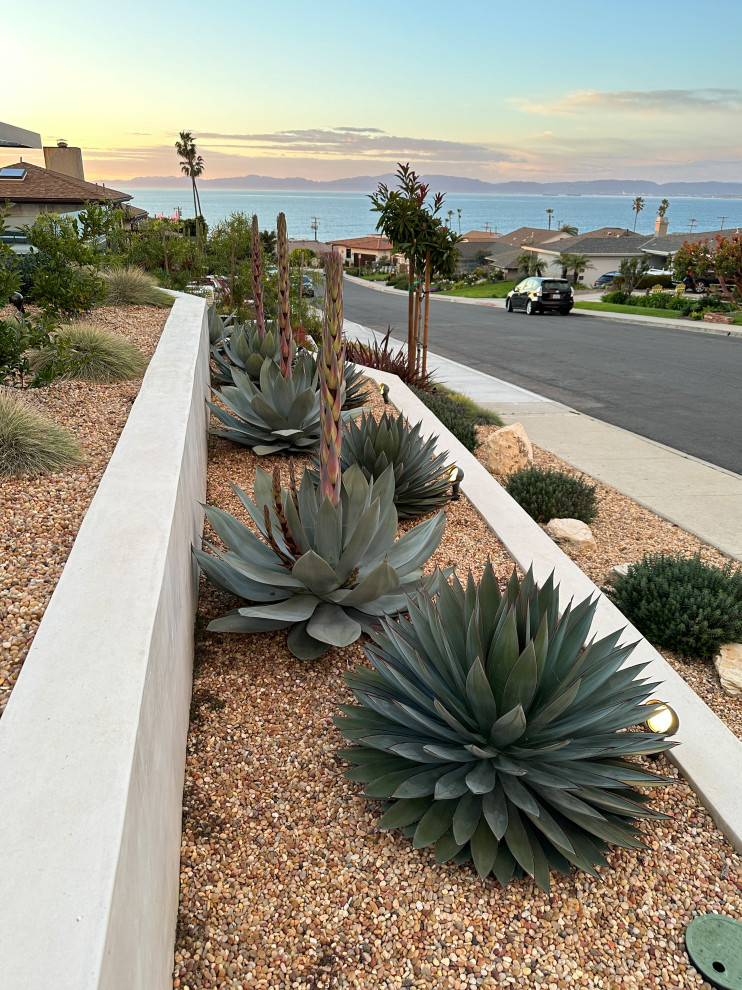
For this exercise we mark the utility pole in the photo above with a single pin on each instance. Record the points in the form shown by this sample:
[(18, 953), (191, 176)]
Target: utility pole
[(315, 226), (723, 219), (487, 226), (693, 222)]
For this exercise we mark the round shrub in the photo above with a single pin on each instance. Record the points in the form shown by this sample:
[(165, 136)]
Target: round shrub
[(130, 285), (682, 603), (550, 494), (94, 355), (31, 444), (617, 297)]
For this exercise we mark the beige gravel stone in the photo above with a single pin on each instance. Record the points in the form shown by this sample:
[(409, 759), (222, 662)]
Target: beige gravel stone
[(570, 533), (728, 663), (286, 882), (507, 449)]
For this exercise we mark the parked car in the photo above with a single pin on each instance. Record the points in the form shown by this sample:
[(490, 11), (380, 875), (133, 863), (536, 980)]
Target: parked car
[(539, 295), (307, 287), (606, 279)]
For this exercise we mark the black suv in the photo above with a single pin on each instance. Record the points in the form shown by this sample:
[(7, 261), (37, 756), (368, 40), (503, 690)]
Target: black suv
[(537, 295)]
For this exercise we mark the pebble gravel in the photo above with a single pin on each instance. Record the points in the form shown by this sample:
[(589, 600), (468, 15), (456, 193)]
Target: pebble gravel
[(287, 883), (40, 517)]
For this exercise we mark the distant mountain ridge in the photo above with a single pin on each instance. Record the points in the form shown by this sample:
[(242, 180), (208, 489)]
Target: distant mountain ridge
[(449, 184)]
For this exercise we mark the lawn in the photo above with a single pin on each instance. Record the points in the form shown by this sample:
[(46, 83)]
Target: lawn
[(490, 290), (600, 307)]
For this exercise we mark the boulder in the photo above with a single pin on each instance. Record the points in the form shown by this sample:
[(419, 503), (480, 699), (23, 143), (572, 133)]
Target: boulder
[(571, 533), (507, 450), (728, 663), (616, 572)]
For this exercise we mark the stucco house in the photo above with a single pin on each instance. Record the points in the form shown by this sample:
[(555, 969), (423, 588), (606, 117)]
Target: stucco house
[(364, 250)]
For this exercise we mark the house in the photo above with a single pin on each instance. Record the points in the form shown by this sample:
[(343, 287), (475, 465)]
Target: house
[(59, 188), (660, 248), (479, 235), (504, 252), (364, 250), (604, 248)]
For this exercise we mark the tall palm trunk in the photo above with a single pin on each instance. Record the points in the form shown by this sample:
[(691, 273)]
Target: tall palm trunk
[(411, 320)]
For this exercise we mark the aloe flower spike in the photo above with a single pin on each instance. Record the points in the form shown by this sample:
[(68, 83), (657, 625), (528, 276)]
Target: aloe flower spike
[(257, 279), (284, 309), (332, 364)]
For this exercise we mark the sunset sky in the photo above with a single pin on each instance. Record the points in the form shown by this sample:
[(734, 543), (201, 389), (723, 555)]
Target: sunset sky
[(324, 89)]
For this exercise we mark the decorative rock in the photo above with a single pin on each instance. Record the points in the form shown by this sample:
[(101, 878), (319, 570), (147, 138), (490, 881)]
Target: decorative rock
[(728, 663), (616, 572), (571, 533), (507, 450)]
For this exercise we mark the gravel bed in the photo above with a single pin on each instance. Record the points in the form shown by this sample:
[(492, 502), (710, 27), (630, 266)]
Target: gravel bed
[(40, 517), (624, 531), (286, 882)]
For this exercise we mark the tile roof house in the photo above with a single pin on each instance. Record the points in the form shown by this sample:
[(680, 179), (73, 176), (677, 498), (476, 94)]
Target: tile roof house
[(363, 250), (479, 235), (33, 190)]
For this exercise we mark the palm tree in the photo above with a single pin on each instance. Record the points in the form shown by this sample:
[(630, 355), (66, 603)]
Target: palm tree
[(529, 263), (449, 217), (192, 165), (570, 229), (663, 207), (459, 213), (268, 242), (574, 263), (550, 214), (637, 206)]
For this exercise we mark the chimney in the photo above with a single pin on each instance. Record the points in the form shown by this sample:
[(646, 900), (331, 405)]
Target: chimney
[(660, 226), (64, 159)]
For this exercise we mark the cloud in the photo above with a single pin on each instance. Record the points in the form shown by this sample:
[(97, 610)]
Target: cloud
[(637, 101), (358, 142)]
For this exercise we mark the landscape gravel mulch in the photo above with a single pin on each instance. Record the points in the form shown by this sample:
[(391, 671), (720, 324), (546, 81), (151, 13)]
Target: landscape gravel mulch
[(40, 517), (287, 883)]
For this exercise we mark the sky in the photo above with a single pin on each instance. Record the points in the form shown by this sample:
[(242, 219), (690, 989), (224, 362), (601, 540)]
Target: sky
[(325, 89)]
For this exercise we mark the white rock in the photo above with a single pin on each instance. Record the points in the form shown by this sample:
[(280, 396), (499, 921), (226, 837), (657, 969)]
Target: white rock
[(571, 533), (507, 450), (616, 572), (728, 663)]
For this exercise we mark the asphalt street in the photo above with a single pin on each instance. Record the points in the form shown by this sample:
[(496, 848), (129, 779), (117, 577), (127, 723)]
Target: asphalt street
[(679, 388)]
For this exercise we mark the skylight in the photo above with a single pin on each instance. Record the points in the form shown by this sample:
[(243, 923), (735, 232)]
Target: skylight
[(12, 173)]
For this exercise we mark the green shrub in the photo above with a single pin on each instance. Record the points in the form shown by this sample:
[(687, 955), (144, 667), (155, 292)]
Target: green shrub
[(682, 603), (471, 410), (549, 494), (493, 730), (617, 297), (130, 285), (93, 355), (452, 415), (19, 337), (31, 444)]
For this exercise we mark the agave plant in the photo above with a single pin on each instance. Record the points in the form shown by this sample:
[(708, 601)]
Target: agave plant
[(324, 572), (421, 478), (276, 415), (493, 731), (243, 349)]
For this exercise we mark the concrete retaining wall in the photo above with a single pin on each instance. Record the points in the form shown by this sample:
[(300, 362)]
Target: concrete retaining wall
[(92, 742)]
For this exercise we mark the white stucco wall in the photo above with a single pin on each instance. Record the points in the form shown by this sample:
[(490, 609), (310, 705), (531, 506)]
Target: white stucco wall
[(92, 742)]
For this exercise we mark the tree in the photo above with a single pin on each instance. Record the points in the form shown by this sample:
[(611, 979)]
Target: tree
[(574, 263), (632, 272), (570, 229), (637, 206), (192, 165), (422, 237), (268, 242), (549, 214), (695, 259), (529, 263), (663, 207)]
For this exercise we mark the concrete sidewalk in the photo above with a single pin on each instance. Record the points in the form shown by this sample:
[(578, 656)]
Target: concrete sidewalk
[(699, 497)]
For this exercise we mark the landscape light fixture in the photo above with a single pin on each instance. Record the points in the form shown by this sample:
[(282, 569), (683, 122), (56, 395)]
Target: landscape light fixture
[(384, 389), (664, 719), (456, 476), (714, 944)]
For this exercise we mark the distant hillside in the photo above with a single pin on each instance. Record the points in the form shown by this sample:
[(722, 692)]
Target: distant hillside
[(449, 184)]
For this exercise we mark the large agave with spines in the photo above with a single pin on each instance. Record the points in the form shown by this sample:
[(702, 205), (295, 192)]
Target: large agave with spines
[(324, 572), (276, 415), (494, 732), (421, 477), (243, 348)]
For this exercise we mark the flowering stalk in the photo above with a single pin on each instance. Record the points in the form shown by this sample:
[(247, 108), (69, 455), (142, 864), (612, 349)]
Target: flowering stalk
[(331, 370), (257, 279), (284, 309)]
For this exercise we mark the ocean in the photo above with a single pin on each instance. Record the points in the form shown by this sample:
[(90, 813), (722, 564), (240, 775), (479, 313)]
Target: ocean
[(348, 214)]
